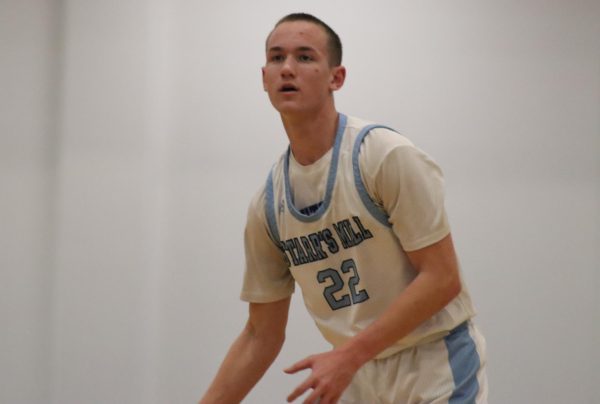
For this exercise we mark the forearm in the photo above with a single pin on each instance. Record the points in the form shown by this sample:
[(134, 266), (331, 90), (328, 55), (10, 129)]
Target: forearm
[(332, 371), (426, 295), (247, 360)]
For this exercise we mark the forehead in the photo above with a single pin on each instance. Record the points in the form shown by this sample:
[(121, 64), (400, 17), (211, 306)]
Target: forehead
[(294, 34)]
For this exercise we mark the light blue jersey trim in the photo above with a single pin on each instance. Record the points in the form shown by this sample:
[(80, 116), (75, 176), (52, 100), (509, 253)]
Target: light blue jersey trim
[(270, 210), (465, 363), (375, 210), (330, 179)]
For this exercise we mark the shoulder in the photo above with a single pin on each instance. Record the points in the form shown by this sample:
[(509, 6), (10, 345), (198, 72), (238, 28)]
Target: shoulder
[(273, 175), (378, 140), (258, 199), (261, 206), (379, 144), (256, 209)]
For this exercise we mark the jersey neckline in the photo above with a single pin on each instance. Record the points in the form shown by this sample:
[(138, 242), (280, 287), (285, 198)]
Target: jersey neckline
[(341, 127)]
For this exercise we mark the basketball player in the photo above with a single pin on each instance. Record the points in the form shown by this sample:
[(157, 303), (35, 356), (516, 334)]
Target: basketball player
[(354, 214)]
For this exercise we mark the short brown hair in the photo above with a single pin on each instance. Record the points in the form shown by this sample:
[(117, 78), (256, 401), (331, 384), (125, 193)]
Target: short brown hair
[(334, 44)]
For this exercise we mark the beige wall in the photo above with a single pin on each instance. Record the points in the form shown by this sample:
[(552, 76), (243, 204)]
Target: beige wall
[(133, 134)]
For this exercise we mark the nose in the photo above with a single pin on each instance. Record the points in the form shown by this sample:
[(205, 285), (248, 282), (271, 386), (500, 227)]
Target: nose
[(288, 68)]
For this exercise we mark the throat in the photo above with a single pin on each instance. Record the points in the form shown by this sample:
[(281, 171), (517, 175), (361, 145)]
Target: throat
[(311, 137), (310, 155)]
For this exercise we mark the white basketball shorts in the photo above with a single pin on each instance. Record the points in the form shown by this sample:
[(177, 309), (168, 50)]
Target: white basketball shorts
[(450, 370)]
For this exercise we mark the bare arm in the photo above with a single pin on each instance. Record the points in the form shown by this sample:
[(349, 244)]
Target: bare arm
[(436, 284), (251, 354)]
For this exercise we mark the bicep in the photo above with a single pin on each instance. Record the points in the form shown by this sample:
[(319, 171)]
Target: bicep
[(269, 319), (437, 258)]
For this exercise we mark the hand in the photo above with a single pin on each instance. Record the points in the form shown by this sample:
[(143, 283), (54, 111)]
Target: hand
[(331, 373)]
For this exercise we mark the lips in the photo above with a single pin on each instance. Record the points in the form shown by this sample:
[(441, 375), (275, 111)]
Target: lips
[(288, 88)]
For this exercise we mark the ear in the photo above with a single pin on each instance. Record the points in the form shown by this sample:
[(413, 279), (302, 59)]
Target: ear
[(338, 76), (263, 79)]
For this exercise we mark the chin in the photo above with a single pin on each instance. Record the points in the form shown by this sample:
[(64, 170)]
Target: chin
[(285, 108)]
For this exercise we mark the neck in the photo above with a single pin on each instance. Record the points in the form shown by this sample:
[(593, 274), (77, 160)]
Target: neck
[(311, 136)]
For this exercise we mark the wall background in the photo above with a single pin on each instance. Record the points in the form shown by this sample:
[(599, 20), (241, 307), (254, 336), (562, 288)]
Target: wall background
[(133, 134)]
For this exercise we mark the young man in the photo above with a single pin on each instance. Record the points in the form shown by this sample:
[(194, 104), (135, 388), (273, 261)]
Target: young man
[(354, 214)]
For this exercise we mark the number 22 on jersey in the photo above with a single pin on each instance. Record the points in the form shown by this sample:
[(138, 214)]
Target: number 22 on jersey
[(337, 284)]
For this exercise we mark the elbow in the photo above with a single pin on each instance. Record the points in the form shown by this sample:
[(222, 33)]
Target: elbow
[(275, 339), (270, 339), (452, 287), (279, 341), (273, 343)]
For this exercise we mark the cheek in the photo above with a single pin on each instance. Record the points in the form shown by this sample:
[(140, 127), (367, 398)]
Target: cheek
[(268, 78)]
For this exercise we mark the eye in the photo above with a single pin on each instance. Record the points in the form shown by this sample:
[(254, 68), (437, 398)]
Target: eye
[(276, 58), (305, 58)]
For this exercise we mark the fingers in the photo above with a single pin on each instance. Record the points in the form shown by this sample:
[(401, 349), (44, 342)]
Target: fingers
[(303, 364), (307, 384), (324, 390), (315, 397), (318, 396)]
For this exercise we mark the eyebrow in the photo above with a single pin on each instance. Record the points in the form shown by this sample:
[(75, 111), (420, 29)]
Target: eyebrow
[(298, 49)]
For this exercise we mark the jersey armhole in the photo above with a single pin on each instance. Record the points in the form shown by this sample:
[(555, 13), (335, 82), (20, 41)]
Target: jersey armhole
[(270, 211), (375, 210)]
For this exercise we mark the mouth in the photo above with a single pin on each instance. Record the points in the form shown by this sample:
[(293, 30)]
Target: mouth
[(288, 88)]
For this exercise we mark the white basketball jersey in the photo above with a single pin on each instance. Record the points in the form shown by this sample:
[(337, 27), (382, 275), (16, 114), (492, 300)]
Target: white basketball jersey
[(344, 254)]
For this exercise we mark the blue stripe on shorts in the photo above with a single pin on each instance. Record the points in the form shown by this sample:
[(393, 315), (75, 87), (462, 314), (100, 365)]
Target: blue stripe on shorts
[(464, 362)]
